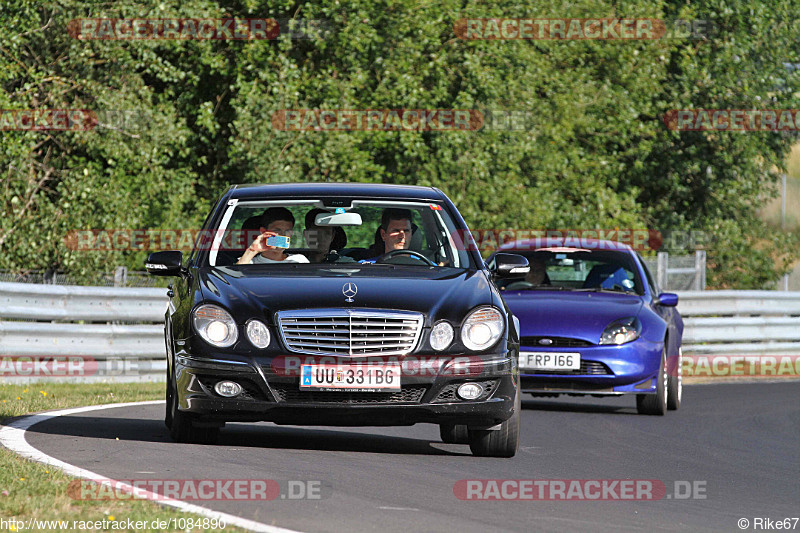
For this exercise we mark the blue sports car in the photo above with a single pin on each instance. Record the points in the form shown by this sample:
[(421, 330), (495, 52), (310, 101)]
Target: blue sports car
[(593, 321)]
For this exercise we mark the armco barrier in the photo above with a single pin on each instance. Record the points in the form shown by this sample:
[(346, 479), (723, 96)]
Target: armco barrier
[(75, 321), (740, 322), (116, 333), (72, 303)]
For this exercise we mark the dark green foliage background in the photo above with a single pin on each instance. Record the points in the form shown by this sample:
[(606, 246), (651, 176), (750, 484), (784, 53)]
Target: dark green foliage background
[(184, 119)]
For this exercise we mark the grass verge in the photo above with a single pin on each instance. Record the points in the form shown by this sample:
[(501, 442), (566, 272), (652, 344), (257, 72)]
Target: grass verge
[(29, 490)]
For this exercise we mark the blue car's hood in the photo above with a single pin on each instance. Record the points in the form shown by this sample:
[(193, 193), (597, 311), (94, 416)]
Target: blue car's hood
[(580, 315)]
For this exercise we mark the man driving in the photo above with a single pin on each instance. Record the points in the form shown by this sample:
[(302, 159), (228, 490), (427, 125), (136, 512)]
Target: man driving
[(395, 232), (396, 229)]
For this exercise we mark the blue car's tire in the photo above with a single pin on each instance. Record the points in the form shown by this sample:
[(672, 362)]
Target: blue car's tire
[(675, 385), (655, 404)]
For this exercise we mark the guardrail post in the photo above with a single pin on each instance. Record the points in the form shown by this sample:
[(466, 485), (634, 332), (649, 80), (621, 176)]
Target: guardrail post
[(121, 276), (700, 270), (661, 270)]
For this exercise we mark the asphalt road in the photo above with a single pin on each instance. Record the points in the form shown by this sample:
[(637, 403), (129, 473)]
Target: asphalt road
[(739, 444)]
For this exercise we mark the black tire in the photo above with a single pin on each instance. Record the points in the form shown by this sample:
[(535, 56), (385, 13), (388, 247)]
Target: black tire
[(675, 385), (168, 409), (454, 433), (503, 442), (168, 392), (655, 404), (183, 428)]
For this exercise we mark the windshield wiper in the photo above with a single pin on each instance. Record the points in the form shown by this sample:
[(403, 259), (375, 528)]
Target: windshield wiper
[(542, 287), (603, 289)]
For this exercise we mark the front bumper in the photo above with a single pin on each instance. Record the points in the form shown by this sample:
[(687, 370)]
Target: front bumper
[(271, 393), (605, 370)]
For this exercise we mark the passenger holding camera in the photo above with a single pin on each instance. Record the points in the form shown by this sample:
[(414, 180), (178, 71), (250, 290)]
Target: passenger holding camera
[(276, 221)]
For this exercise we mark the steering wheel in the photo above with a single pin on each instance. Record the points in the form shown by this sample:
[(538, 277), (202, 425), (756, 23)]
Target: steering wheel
[(404, 251)]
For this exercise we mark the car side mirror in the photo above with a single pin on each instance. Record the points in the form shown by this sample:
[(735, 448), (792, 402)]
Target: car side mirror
[(166, 263), (510, 266), (668, 299)]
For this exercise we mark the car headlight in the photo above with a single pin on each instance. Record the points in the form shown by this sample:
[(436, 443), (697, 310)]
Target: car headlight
[(441, 335), (215, 325), (622, 331), (258, 333), (482, 328)]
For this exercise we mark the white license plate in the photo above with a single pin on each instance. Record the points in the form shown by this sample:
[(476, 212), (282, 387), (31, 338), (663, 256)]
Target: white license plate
[(549, 361), (359, 378)]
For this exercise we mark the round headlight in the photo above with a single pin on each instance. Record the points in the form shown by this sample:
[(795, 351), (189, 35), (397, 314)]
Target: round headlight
[(482, 328), (215, 325), (228, 389), (469, 391), (441, 336), (622, 331), (258, 333)]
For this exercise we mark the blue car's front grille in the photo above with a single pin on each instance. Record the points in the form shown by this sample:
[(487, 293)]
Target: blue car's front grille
[(588, 368), (553, 342)]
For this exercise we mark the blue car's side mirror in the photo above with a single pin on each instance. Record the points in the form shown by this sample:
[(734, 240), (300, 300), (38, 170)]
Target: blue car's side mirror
[(668, 299)]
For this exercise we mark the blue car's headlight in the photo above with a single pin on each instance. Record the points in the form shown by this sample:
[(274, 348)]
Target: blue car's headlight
[(622, 331)]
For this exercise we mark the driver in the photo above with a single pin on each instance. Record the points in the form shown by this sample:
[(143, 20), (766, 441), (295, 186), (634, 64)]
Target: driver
[(395, 231)]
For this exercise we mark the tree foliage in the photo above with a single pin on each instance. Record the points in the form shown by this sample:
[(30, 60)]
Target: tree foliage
[(181, 120)]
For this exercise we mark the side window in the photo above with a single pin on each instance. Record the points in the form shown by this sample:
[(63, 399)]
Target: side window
[(653, 287)]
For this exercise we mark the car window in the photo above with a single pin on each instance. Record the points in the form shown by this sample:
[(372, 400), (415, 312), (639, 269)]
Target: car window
[(433, 233), (579, 270), (650, 280)]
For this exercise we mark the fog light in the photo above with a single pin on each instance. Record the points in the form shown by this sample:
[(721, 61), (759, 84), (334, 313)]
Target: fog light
[(229, 389), (470, 391)]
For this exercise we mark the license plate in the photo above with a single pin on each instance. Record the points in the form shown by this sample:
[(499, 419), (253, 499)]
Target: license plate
[(549, 361), (357, 378)]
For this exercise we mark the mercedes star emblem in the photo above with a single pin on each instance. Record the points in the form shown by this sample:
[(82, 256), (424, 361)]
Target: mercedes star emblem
[(349, 290)]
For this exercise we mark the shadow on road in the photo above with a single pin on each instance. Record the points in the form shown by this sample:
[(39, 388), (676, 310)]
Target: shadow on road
[(579, 406), (242, 435)]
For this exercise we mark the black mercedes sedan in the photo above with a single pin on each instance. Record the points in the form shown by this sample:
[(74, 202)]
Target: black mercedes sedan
[(340, 304)]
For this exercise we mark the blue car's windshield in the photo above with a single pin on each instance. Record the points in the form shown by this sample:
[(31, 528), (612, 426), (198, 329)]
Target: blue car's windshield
[(369, 232), (578, 270)]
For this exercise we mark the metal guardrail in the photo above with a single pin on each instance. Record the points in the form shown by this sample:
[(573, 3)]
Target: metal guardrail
[(99, 341), (95, 333), (72, 302), (740, 322), (51, 321)]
